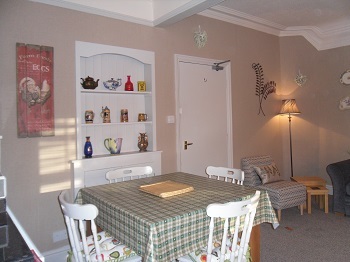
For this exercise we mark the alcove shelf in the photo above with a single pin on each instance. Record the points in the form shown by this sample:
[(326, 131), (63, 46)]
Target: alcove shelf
[(103, 62)]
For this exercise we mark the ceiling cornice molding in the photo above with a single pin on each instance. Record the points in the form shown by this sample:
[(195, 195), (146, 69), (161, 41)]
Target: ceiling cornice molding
[(96, 11), (337, 36), (321, 40), (184, 11), (239, 21), (308, 33), (243, 17)]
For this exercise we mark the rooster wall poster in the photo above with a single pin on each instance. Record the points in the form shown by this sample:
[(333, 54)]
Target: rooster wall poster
[(35, 96)]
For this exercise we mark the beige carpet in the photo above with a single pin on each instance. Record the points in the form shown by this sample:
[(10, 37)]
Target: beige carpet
[(311, 238)]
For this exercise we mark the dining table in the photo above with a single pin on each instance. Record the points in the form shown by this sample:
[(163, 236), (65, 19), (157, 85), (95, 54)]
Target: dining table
[(165, 228)]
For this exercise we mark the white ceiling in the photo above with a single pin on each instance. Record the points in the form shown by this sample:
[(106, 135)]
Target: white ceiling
[(324, 23)]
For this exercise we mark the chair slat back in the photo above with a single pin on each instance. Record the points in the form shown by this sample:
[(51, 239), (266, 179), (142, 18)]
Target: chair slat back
[(75, 216), (129, 173), (229, 211), (232, 175)]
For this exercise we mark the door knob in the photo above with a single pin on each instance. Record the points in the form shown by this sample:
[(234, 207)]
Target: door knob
[(186, 144)]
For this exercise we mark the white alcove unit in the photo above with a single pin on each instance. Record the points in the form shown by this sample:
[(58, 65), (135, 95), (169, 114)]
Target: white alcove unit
[(103, 62)]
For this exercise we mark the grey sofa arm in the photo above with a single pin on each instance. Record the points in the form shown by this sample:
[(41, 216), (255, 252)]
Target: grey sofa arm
[(339, 173)]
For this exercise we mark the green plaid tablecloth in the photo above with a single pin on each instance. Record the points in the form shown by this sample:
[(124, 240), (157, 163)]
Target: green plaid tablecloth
[(162, 229)]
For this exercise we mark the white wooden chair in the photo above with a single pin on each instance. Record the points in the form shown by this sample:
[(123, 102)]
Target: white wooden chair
[(231, 247), (124, 174), (232, 175), (97, 247)]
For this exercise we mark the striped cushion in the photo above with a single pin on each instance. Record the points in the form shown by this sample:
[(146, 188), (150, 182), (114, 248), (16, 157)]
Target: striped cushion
[(268, 173), (251, 178)]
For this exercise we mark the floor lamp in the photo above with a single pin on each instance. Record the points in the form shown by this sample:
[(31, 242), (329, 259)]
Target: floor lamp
[(289, 107)]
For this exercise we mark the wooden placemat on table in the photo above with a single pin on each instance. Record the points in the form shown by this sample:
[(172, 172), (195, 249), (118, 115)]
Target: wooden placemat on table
[(166, 188)]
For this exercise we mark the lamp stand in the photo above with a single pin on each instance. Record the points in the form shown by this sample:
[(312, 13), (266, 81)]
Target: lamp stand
[(289, 106), (290, 143)]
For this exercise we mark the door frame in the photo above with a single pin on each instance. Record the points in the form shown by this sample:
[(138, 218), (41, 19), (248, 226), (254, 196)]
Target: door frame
[(209, 62)]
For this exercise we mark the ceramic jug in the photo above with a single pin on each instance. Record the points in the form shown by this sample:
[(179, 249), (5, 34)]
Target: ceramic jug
[(113, 145)]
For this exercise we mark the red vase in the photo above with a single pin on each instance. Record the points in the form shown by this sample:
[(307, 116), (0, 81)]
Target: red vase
[(129, 86)]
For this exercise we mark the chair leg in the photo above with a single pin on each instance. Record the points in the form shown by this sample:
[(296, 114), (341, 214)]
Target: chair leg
[(301, 209), (279, 214)]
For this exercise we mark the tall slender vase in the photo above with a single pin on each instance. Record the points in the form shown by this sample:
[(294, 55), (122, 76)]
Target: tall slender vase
[(129, 86), (88, 148)]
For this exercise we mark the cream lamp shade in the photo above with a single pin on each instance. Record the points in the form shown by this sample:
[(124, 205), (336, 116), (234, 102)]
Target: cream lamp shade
[(289, 106)]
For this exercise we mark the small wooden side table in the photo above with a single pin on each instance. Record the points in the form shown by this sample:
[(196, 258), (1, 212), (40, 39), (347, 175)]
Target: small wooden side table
[(309, 180), (315, 186), (317, 191)]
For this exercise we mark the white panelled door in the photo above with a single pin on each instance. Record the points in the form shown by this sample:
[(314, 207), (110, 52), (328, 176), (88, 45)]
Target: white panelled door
[(204, 115)]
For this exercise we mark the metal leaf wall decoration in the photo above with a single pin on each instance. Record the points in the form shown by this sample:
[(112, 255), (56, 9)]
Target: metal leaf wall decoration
[(262, 90)]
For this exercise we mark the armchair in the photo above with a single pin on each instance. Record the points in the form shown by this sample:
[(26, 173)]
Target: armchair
[(283, 194), (339, 173)]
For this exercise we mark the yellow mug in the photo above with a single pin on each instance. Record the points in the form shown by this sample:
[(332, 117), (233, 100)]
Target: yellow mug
[(142, 117)]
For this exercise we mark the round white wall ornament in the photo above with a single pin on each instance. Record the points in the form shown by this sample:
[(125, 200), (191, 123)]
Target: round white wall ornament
[(200, 37), (344, 103), (345, 78)]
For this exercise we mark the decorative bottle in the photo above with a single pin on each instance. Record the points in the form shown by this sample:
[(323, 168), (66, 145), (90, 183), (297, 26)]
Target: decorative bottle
[(129, 86), (88, 148)]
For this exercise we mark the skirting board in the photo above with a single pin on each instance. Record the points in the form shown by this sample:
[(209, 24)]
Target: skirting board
[(57, 255), (330, 189)]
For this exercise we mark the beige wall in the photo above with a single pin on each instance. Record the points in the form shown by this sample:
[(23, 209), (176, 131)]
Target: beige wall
[(321, 132), (38, 168)]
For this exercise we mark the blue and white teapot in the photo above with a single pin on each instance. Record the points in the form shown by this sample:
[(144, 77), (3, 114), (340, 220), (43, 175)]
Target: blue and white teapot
[(112, 84)]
